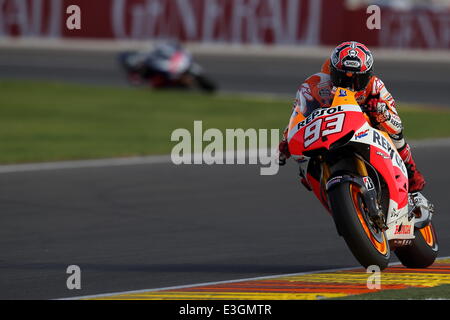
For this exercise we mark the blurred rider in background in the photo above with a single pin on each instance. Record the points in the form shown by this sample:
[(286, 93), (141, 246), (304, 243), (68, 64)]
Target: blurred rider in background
[(165, 65), (159, 63)]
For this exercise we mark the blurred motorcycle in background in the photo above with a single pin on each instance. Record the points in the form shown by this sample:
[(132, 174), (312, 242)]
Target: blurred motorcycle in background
[(167, 65)]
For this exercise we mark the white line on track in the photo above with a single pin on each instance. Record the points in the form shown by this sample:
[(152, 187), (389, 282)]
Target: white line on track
[(105, 295), (431, 143), (162, 159), (84, 164), (250, 155)]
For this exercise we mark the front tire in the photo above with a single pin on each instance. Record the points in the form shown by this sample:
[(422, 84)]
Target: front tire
[(369, 246), (206, 84), (422, 252)]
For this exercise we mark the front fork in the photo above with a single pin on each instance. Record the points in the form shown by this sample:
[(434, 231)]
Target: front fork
[(367, 188), (326, 172)]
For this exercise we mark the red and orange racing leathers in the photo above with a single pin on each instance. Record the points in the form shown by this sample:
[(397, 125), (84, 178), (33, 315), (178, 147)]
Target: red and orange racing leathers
[(317, 92)]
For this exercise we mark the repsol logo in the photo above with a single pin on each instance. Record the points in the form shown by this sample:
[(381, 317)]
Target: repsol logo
[(386, 146), (318, 113), (395, 121)]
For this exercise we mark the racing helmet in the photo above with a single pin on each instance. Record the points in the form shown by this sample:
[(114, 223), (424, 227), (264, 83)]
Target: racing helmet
[(351, 66)]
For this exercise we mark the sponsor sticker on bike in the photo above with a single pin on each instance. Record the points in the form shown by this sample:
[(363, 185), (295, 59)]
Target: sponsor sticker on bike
[(362, 134), (383, 155), (368, 183), (384, 144), (333, 181), (342, 93), (402, 229)]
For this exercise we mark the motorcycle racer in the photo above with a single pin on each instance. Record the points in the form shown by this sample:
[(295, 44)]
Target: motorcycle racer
[(351, 66), (165, 65)]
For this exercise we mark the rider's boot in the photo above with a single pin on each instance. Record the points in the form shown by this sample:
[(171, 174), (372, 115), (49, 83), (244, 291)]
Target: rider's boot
[(416, 180)]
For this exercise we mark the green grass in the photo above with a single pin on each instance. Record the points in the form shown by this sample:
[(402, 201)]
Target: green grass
[(42, 121), (434, 293)]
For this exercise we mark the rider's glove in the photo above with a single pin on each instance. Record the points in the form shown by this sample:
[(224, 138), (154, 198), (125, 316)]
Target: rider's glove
[(378, 110), (283, 147)]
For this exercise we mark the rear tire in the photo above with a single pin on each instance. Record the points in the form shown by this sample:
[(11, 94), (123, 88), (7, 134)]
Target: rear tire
[(423, 250), (353, 225), (206, 84)]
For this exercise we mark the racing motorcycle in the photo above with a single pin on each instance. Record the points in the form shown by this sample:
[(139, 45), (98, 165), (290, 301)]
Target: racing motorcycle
[(357, 174), (166, 66)]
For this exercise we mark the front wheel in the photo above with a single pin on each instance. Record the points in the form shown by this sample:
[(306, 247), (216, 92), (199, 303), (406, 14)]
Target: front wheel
[(423, 250), (368, 244)]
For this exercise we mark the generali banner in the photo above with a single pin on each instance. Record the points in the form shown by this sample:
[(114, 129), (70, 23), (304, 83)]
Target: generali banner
[(269, 22)]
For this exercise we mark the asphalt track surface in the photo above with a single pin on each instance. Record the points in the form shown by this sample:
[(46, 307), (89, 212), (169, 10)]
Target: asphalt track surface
[(423, 81), (150, 226), (160, 225)]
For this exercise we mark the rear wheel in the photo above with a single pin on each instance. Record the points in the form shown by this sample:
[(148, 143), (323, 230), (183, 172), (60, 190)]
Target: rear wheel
[(368, 244), (423, 250), (206, 84)]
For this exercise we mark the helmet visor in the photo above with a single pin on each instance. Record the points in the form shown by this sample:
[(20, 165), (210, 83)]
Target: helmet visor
[(353, 80)]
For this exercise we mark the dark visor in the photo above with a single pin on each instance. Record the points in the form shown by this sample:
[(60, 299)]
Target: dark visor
[(356, 82)]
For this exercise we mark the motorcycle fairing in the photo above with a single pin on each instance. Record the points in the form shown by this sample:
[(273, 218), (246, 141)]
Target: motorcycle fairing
[(323, 127), (177, 64), (383, 155)]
